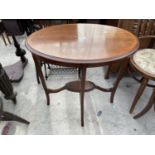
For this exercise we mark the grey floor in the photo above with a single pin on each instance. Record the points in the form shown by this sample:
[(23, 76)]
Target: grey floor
[(63, 115)]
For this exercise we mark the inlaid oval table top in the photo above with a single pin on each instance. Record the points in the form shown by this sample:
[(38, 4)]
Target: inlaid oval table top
[(82, 46), (82, 43)]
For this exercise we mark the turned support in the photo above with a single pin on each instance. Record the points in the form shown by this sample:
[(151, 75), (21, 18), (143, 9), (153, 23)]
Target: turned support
[(19, 51)]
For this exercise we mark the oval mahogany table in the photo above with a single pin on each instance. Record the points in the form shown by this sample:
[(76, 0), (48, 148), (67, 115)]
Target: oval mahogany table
[(82, 46)]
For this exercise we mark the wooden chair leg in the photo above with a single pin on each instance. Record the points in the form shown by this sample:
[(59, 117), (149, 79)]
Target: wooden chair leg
[(148, 106), (8, 38), (4, 39), (139, 93)]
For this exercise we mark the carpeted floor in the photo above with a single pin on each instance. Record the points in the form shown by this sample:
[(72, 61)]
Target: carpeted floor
[(63, 115)]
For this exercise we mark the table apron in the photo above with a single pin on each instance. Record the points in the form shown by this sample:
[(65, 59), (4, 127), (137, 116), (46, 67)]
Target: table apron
[(72, 64)]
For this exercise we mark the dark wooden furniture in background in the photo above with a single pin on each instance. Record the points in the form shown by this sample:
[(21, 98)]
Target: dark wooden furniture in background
[(146, 42), (139, 27), (2, 32), (81, 46), (7, 90), (15, 71)]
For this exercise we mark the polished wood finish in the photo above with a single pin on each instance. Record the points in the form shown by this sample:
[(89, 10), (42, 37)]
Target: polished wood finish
[(81, 46), (82, 43), (75, 86)]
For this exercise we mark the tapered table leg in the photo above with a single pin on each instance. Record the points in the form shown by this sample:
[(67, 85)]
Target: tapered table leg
[(37, 74), (82, 93), (122, 71), (40, 74), (148, 106)]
